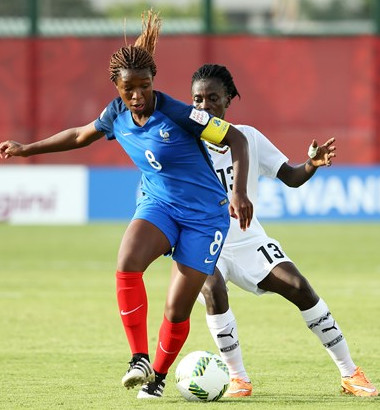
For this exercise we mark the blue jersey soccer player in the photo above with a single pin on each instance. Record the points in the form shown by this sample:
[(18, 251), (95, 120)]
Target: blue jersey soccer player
[(184, 208)]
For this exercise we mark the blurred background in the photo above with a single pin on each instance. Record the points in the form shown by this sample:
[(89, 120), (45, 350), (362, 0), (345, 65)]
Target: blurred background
[(304, 68)]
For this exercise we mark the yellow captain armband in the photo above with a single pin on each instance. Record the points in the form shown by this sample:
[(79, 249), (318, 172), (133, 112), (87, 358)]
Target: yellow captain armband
[(216, 130)]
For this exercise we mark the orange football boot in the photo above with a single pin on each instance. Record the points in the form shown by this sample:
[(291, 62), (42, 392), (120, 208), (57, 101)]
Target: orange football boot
[(238, 388), (358, 385)]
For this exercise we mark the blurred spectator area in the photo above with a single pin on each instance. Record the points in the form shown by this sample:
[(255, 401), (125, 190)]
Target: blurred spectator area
[(105, 17), (300, 75)]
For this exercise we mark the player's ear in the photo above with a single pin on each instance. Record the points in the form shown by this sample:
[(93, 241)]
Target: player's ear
[(228, 102)]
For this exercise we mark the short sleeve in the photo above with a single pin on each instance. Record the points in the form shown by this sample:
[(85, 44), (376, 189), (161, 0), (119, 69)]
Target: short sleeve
[(104, 123), (270, 157)]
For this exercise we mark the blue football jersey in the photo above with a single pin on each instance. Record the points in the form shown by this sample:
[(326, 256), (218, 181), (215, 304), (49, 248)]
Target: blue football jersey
[(176, 167)]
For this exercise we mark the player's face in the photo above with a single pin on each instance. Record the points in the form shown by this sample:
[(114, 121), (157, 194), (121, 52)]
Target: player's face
[(135, 88), (210, 95)]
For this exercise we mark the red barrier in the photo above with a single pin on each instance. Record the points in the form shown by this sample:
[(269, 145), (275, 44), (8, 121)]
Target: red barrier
[(292, 89)]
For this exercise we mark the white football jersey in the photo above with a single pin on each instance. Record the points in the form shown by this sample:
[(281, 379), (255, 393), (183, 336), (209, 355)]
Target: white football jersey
[(264, 159)]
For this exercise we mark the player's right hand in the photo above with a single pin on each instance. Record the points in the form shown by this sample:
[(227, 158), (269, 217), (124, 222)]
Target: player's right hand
[(10, 149), (241, 208)]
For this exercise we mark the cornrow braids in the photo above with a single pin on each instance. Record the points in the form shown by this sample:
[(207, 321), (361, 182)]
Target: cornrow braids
[(219, 72), (140, 55)]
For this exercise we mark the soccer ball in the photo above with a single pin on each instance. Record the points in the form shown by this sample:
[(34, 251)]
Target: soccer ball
[(202, 376)]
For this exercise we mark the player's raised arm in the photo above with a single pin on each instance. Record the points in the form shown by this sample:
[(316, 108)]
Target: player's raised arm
[(319, 155), (66, 140)]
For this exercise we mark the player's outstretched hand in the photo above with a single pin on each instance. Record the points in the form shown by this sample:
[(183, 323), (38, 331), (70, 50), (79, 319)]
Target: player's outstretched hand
[(323, 154), (241, 208), (10, 149)]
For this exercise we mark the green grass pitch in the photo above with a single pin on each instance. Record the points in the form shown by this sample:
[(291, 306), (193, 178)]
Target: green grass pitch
[(62, 345)]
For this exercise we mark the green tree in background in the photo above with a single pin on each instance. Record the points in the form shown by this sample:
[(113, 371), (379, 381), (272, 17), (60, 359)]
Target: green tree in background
[(49, 8), (336, 10), (13, 8), (167, 10)]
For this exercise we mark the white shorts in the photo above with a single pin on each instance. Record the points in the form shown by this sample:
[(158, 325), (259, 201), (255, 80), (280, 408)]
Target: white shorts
[(248, 264)]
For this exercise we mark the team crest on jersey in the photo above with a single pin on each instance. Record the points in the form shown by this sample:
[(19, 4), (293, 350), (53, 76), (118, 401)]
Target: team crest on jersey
[(201, 117), (165, 135)]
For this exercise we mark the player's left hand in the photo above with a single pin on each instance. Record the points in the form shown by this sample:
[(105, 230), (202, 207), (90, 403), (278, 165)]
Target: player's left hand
[(241, 208), (324, 154)]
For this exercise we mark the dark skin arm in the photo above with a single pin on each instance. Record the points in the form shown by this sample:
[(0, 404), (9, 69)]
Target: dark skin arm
[(66, 140), (295, 176), (240, 206)]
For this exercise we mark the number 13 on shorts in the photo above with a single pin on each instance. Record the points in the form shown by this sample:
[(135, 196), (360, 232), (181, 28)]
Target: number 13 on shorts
[(271, 252)]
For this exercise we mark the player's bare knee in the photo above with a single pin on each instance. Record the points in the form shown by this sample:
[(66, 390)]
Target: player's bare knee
[(300, 285), (211, 289), (130, 263), (301, 293), (216, 298), (207, 292), (176, 314)]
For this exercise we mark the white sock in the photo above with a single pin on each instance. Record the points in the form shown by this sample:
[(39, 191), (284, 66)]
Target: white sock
[(223, 329), (320, 321)]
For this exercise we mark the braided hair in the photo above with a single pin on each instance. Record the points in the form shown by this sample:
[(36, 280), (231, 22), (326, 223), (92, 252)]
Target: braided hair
[(219, 72), (140, 55)]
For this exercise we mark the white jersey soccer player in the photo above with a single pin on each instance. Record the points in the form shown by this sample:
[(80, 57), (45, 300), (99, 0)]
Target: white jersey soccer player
[(252, 260), (236, 262)]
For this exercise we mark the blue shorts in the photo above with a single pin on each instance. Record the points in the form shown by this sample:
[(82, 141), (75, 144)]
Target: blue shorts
[(196, 243)]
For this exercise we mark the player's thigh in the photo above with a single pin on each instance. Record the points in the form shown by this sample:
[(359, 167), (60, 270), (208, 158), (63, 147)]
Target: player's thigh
[(142, 243), (151, 233)]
